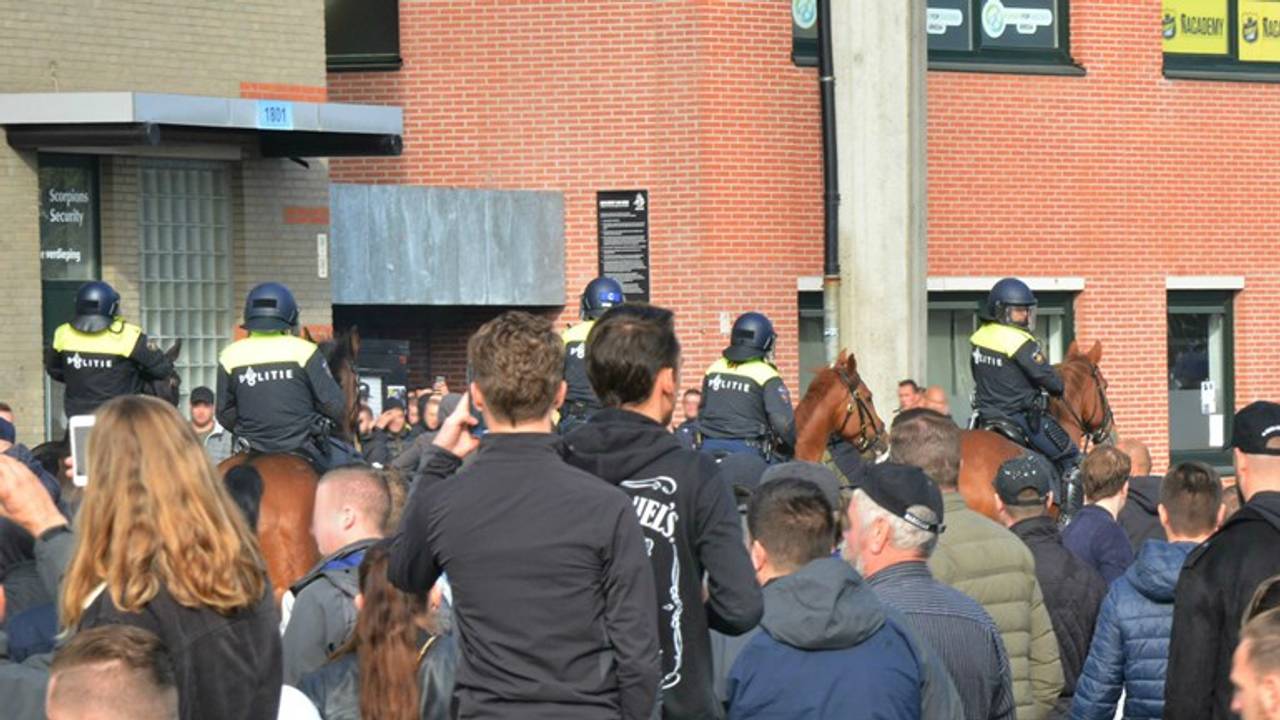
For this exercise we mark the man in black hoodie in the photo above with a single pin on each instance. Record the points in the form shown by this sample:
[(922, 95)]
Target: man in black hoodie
[(1138, 516), (688, 515), (1220, 576)]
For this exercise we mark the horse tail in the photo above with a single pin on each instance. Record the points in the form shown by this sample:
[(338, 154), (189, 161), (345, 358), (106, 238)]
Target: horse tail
[(244, 482)]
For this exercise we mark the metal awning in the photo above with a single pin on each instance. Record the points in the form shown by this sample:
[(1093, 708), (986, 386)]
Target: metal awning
[(134, 121)]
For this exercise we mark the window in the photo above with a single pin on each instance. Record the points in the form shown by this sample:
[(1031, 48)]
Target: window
[(1221, 39), (1023, 36), (813, 350), (953, 317), (362, 34), (1200, 367), (185, 227), (1030, 36)]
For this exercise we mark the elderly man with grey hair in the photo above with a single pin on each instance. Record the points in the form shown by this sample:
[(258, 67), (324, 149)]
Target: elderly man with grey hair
[(893, 523)]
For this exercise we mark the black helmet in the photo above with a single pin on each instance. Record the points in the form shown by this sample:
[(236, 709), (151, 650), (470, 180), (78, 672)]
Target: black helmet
[(752, 337), (600, 295), (1010, 293), (270, 306), (97, 305)]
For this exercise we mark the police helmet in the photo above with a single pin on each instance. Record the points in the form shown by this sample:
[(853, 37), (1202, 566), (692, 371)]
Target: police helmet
[(752, 337), (97, 305), (600, 295), (270, 306), (1007, 294)]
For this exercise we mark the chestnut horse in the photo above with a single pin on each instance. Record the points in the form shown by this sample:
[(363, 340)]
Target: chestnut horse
[(837, 406), (288, 482), (1083, 411)]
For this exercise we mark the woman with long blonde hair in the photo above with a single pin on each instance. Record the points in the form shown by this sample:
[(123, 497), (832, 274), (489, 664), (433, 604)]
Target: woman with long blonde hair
[(162, 546)]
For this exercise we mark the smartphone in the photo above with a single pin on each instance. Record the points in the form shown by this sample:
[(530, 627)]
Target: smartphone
[(79, 427), (477, 430), (439, 380)]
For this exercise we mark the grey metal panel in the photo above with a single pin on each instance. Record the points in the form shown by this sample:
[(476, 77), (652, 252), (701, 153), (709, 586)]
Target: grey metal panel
[(47, 108), (394, 244)]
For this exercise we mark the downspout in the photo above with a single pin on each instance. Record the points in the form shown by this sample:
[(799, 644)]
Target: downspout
[(831, 189)]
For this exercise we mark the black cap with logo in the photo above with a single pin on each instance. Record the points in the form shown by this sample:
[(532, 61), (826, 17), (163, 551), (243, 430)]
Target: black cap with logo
[(1256, 429), (896, 488), (1025, 472)]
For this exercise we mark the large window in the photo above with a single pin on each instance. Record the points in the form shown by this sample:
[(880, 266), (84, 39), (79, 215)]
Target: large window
[(362, 34), (1201, 394), (1225, 39), (953, 317), (185, 227), (1024, 36)]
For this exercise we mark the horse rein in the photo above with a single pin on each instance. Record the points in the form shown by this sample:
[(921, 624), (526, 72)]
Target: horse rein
[(1099, 435), (863, 442)]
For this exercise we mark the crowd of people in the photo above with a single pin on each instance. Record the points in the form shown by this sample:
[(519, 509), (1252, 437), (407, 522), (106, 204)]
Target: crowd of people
[(612, 569)]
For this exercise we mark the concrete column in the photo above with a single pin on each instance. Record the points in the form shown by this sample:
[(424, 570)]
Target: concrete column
[(879, 54), (21, 353)]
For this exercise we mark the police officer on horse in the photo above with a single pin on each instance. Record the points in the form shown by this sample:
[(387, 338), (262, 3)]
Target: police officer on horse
[(1011, 378), (275, 391), (99, 355), (580, 401), (745, 404)]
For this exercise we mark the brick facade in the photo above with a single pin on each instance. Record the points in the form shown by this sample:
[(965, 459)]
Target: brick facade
[(1121, 177), (695, 101)]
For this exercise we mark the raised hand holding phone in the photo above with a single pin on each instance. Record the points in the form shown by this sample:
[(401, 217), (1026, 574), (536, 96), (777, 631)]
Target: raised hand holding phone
[(455, 432)]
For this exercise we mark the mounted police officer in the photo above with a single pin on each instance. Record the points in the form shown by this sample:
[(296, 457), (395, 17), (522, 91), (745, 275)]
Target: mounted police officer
[(100, 356), (1011, 375), (275, 391), (745, 405), (580, 401)]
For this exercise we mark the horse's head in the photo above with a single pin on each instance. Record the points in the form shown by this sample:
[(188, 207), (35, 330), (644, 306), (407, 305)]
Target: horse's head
[(167, 388), (1084, 405), (838, 404), (340, 353)]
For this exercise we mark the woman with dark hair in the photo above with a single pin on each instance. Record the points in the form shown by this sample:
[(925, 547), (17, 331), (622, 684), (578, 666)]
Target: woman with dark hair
[(400, 661)]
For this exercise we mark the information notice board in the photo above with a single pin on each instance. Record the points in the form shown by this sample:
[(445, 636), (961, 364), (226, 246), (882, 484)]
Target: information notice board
[(623, 217)]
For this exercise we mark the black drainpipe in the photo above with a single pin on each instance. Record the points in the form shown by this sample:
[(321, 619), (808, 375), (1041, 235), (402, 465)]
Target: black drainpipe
[(831, 188)]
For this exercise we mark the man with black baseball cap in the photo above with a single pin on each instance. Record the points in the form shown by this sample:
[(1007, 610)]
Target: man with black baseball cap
[(1220, 576), (893, 523), (1073, 591), (217, 441)]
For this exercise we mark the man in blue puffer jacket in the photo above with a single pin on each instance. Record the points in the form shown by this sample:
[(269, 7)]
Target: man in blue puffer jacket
[(1130, 649)]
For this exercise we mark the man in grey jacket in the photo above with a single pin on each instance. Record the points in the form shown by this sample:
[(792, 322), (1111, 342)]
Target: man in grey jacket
[(351, 509)]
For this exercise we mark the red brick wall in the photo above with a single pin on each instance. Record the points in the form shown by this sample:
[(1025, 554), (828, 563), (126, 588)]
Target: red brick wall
[(1122, 177), (696, 101)]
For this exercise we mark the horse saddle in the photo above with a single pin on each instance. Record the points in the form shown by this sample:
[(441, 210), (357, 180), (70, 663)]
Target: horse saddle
[(1007, 428)]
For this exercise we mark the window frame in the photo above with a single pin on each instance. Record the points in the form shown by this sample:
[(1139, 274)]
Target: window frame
[(970, 300), (1190, 302), (1011, 60), (1229, 67)]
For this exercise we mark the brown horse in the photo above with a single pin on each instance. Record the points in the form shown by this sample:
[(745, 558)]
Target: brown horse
[(1083, 411), (838, 406), (289, 482)]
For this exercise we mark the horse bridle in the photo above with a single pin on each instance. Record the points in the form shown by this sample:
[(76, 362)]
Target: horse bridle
[(864, 441), (1103, 431)]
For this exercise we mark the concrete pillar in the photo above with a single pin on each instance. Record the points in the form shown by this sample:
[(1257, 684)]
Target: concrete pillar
[(880, 59)]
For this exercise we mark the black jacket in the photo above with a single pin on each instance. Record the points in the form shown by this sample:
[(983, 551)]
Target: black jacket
[(275, 391), (691, 527), (1073, 592), (97, 367), (746, 401), (554, 603), (1138, 517), (579, 398), (335, 688), (1213, 592), (227, 666), (386, 446), (1009, 370)]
